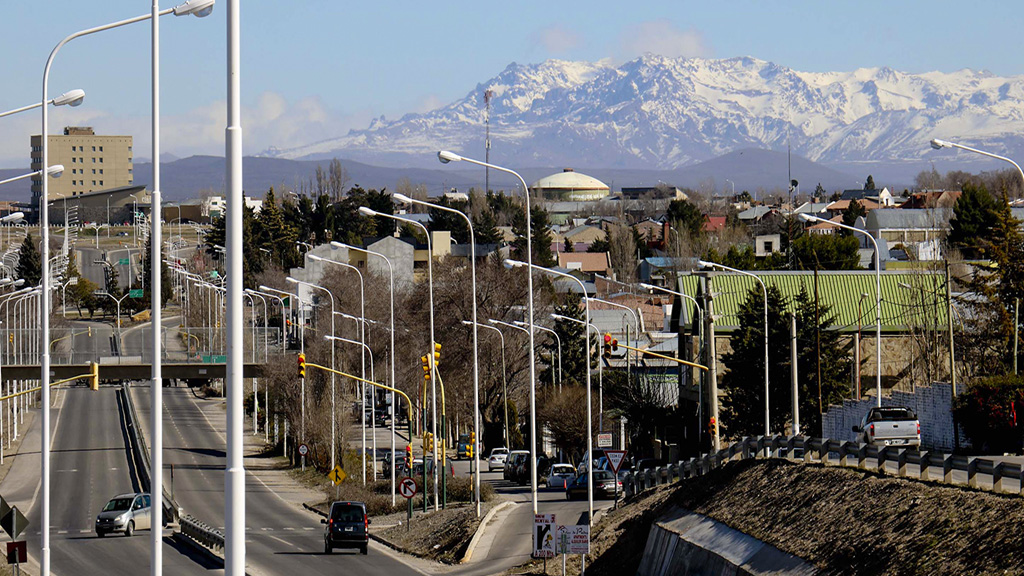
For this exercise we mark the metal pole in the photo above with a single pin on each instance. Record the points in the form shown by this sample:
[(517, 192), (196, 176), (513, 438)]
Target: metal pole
[(712, 361), (793, 375), (155, 265), (234, 509)]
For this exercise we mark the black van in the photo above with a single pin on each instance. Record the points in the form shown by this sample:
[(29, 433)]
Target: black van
[(347, 527)]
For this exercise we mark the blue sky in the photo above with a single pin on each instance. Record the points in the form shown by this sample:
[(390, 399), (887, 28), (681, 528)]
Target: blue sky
[(313, 69)]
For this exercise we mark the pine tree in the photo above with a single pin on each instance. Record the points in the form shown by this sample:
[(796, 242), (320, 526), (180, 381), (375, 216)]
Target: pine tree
[(275, 234), (574, 343), (165, 280), (870, 184), (30, 267), (486, 228), (686, 217), (834, 362), (853, 211), (541, 237), (975, 215)]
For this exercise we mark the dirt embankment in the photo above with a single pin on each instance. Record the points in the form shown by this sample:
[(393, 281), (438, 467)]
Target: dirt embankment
[(844, 521)]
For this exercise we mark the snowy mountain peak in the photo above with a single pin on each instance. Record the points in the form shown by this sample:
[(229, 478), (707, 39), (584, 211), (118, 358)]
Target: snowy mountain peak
[(659, 112)]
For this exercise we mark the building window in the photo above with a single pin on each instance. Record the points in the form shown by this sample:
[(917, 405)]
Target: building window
[(101, 182), (73, 149), (93, 182), (74, 160), (101, 148), (82, 160), (93, 170), (101, 170), (101, 160), (94, 160), (93, 148), (129, 170)]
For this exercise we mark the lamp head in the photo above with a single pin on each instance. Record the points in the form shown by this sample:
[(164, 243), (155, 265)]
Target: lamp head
[(19, 281), (198, 8), (806, 217), (70, 98), (367, 211), (467, 322), (510, 263), (292, 280), (55, 171), (647, 286), (13, 217), (492, 321), (402, 198), (704, 264), (520, 323), (336, 244), (445, 157), (940, 144), (314, 257)]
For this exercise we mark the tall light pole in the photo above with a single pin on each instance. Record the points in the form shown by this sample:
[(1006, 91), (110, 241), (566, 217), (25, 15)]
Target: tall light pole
[(365, 211), (196, 7), (70, 98), (504, 382), (53, 171), (764, 290), (334, 441), (940, 144), (558, 343), (878, 300), (445, 157), (590, 423), (394, 399), (476, 350)]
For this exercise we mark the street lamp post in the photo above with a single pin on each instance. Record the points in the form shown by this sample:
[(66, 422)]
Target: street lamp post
[(590, 425), (302, 348), (504, 382), (361, 326), (475, 464), (53, 171), (940, 144), (394, 399), (878, 299), (764, 290), (365, 211), (70, 98), (445, 157), (558, 343)]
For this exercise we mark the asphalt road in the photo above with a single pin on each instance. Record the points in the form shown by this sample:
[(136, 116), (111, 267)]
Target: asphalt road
[(89, 465), (281, 537)]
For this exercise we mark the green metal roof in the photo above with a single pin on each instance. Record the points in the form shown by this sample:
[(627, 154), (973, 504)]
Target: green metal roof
[(902, 308)]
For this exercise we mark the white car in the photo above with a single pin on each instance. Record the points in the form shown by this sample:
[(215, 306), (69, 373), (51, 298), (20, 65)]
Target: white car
[(497, 459), (561, 475)]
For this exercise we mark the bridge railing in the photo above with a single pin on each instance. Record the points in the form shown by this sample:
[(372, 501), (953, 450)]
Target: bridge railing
[(928, 465)]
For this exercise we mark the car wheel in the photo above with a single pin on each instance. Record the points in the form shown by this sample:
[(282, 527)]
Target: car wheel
[(362, 550), (100, 534), (130, 528), (327, 547)]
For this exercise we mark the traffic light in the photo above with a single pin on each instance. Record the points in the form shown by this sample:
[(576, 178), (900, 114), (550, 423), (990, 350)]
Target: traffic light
[(607, 353), (712, 427), (302, 365), (615, 344), (94, 375), (472, 444), (408, 457), (437, 353), (426, 367), (428, 442)]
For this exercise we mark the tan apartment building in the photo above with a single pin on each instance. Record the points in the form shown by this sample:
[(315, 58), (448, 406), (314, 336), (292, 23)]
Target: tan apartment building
[(91, 163)]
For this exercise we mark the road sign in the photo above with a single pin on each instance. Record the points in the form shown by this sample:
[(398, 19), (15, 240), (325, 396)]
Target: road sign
[(123, 262), (216, 359), (543, 535), (337, 475), (73, 281), (604, 440), (17, 552), (303, 449), (574, 539), (615, 458), (14, 522), (407, 487), (137, 293)]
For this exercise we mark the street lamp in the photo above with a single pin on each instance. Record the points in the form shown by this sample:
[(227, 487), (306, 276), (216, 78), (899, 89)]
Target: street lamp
[(302, 349), (558, 342), (71, 98), (878, 299), (53, 171), (365, 211), (394, 399), (940, 144), (476, 356), (504, 381), (590, 426), (334, 445), (764, 290), (445, 157)]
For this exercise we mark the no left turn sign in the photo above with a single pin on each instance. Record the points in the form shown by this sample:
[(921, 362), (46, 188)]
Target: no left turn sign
[(407, 488)]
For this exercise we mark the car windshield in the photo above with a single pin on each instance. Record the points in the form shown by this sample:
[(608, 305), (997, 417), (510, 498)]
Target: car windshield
[(499, 452), (117, 504), (562, 469), (892, 414), (347, 513)]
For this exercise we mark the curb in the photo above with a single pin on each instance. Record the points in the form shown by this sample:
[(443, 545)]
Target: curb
[(480, 530)]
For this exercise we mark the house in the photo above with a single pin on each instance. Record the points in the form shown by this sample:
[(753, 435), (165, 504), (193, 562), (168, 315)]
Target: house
[(932, 199), (767, 244), (581, 237), (589, 263), (755, 214), (652, 231), (840, 206), (910, 227), (883, 197), (714, 224)]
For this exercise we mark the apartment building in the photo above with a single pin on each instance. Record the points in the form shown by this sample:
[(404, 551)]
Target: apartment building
[(91, 163)]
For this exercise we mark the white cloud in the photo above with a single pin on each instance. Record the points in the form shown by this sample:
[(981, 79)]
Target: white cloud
[(556, 39), (664, 38)]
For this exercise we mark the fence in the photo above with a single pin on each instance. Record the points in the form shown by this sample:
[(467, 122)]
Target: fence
[(931, 465)]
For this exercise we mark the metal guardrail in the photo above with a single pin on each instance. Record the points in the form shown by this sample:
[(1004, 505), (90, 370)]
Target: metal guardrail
[(189, 525), (931, 465)]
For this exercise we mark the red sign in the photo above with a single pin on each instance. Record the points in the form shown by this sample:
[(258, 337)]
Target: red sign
[(17, 552), (407, 487), (615, 458)]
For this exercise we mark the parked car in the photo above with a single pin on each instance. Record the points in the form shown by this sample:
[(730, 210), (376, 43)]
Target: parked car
[(514, 460), (561, 475), (380, 418), (889, 426), (605, 485), (386, 463), (417, 468), (124, 513), (346, 526), (497, 458), (581, 468), (462, 447), (624, 467), (449, 466)]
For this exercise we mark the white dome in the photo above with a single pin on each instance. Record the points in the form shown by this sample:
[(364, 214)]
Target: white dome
[(570, 185)]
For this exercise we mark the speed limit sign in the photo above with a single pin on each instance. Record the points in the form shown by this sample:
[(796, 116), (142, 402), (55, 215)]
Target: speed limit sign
[(303, 449)]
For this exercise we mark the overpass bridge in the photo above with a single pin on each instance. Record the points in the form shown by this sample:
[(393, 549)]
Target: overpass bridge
[(130, 370)]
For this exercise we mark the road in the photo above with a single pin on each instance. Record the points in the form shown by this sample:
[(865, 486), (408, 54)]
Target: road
[(89, 465), (281, 538)]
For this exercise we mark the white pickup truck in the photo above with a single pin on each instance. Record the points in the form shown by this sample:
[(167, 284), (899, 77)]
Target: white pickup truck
[(889, 426)]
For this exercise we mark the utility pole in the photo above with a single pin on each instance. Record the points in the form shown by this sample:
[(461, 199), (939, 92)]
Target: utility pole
[(709, 317), (793, 374), (487, 142)]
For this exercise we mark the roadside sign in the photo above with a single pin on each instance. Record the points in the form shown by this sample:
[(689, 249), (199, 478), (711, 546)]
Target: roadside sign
[(543, 535), (615, 458), (135, 293), (604, 440), (216, 359), (14, 522), (337, 475), (303, 449), (574, 539), (123, 262), (99, 292), (73, 281), (407, 487), (17, 552), (4, 507)]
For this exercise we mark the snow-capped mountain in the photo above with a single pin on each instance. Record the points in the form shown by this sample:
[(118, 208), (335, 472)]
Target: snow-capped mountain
[(656, 112)]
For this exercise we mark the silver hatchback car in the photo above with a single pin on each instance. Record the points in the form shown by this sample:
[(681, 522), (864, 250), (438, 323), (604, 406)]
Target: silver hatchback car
[(124, 513)]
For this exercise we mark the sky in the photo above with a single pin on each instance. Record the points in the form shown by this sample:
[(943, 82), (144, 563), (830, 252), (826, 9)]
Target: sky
[(314, 69)]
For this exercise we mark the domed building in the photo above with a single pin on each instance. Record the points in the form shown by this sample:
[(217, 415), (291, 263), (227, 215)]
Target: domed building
[(571, 186)]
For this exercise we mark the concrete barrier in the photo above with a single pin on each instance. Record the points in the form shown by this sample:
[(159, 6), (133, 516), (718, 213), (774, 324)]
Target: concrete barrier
[(686, 543)]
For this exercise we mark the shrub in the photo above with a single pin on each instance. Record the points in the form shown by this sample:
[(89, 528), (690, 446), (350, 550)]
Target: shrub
[(988, 413)]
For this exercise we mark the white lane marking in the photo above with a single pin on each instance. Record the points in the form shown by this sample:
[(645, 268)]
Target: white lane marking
[(60, 394), (84, 531), (285, 542)]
